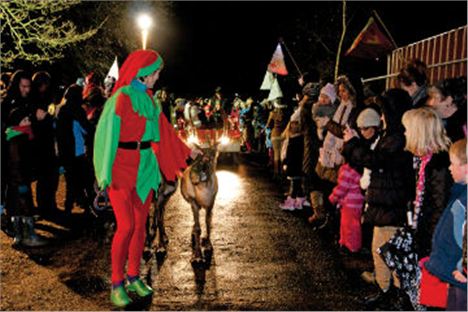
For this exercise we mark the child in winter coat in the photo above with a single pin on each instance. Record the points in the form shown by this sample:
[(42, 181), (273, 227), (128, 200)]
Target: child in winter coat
[(391, 186), (347, 195), (447, 261), (426, 139), (291, 154)]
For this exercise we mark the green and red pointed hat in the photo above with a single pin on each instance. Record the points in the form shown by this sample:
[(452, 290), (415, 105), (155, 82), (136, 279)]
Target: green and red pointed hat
[(139, 63)]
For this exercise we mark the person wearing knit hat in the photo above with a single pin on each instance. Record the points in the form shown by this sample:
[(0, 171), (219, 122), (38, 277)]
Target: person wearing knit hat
[(324, 108), (368, 122), (329, 90), (134, 145)]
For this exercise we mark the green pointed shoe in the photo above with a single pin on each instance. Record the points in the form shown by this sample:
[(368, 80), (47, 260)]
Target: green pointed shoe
[(119, 297), (140, 288)]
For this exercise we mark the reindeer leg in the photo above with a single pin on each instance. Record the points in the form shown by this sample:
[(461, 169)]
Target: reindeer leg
[(161, 245), (168, 192), (206, 241), (196, 232), (151, 227)]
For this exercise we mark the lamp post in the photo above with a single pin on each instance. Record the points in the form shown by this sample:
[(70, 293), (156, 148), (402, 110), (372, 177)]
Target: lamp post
[(144, 22)]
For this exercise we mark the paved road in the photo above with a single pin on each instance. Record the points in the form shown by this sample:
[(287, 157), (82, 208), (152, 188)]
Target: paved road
[(264, 258)]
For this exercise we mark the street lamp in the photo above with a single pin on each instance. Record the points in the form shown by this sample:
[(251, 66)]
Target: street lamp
[(144, 22)]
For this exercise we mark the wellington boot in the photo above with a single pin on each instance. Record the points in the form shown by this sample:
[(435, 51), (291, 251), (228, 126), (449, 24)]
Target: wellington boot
[(30, 238), (17, 230)]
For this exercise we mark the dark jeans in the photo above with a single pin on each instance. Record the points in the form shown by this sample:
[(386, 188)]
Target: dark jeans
[(295, 189), (46, 187), (456, 300), (19, 200), (79, 179)]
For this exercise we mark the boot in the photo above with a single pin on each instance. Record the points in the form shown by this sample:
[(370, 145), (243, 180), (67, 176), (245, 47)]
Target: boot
[(140, 288), (30, 238), (299, 203), (288, 204), (380, 298), (306, 204), (402, 301), (368, 277), (119, 297), (319, 219), (318, 222), (17, 234)]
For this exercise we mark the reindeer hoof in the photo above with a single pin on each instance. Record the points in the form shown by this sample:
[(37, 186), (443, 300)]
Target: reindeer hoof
[(147, 254), (165, 239), (206, 244), (161, 250), (197, 261)]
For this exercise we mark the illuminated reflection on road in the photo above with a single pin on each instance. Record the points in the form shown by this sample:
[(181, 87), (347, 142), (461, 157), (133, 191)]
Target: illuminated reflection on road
[(229, 187)]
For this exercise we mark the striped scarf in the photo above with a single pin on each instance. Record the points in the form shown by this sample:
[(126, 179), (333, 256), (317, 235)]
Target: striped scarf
[(330, 153)]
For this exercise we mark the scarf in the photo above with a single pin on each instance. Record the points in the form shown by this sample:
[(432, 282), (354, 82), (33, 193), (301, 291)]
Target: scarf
[(421, 163), (330, 155)]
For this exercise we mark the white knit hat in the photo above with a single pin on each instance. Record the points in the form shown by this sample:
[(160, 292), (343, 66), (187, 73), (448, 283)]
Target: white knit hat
[(368, 118), (329, 90)]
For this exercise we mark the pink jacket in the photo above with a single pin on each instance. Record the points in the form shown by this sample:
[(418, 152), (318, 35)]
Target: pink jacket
[(348, 192)]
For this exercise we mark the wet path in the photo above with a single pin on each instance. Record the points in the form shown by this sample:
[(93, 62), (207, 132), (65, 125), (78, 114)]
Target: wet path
[(264, 258)]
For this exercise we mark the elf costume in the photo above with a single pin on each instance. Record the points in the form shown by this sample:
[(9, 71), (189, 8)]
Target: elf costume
[(134, 143)]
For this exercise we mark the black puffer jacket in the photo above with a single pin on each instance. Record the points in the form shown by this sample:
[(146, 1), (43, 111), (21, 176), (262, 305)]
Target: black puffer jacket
[(436, 195), (454, 125), (392, 183)]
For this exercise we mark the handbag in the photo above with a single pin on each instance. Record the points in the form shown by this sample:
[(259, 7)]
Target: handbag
[(432, 292), (328, 174)]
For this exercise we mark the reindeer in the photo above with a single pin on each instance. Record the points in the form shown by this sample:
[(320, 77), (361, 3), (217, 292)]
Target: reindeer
[(199, 186)]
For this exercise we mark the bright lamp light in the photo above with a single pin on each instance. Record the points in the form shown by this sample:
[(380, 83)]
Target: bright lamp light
[(192, 139), (224, 140), (144, 22)]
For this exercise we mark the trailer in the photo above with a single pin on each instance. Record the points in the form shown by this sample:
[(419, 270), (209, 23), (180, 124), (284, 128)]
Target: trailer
[(230, 141)]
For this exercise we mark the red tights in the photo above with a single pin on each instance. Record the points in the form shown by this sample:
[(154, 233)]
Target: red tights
[(129, 238)]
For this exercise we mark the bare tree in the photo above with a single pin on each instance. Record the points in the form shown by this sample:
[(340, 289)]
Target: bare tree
[(36, 31), (343, 33), (117, 34)]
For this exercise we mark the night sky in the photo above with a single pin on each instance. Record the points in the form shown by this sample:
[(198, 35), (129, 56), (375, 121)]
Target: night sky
[(230, 43)]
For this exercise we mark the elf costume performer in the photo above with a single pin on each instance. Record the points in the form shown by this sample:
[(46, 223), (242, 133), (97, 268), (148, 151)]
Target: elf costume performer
[(134, 143)]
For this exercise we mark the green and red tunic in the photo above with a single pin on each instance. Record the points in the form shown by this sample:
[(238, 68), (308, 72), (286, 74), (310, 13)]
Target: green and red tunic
[(132, 115)]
